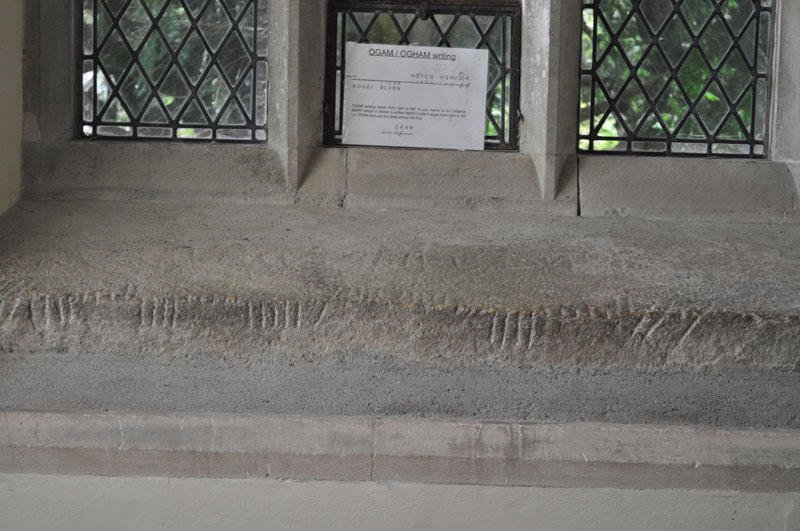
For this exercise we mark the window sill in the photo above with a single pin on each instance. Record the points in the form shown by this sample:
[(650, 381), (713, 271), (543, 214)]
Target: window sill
[(696, 189), (169, 171), (375, 177)]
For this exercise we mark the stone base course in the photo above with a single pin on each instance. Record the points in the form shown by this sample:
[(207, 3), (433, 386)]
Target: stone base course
[(399, 450)]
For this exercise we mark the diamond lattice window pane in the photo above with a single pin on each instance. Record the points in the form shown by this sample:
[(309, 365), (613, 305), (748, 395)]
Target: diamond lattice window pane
[(423, 33), (195, 7), (194, 57), (174, 24), (215, 24), (715, 41), (135, 23), (154, 57), (135, 90), (115, 6), (492, 27), (464, 34), (634, 39), (174, 69), (155, 6), (214, 93), (115, 57), (656, 12), (384, 30), (660, 76), (694, 74), (235, 59), (174, 91)]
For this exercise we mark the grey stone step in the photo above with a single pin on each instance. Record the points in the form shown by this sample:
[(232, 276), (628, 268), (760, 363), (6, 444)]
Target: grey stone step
[(517, 289), (364, 383), (401, 450), (107, 305)]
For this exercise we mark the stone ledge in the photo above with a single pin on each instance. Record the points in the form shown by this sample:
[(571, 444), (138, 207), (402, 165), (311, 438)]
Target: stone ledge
[(566, 335), (402, 450), (498, 300), (512, 288), (688, 189)]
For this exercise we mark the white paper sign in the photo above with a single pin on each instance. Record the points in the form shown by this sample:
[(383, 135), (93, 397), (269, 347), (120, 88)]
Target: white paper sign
[(415, 96)]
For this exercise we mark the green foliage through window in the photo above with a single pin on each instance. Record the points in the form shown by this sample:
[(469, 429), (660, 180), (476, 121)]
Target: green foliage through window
[(675, 76), (175, 69)]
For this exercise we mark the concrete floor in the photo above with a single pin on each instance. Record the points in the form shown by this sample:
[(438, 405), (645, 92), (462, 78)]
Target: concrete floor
[(83, 503)]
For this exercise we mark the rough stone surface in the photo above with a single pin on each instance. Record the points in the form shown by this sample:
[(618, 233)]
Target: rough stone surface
[(456, 284), (358, 382), (452, 312)]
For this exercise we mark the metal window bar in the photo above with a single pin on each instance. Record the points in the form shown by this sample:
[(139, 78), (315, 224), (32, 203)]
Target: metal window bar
[(492, 24), (174, 70), (675, 77)]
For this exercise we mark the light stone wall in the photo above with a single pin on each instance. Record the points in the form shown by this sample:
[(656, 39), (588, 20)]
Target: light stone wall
[(546, 175), (11, 24)]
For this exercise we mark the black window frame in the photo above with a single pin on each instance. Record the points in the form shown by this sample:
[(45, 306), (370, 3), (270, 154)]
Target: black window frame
[(757, 147), (259, 132)]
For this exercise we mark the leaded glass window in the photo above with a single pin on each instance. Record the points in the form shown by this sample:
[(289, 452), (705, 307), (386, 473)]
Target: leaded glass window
[(175, 69), (493, 25), (679, 77)]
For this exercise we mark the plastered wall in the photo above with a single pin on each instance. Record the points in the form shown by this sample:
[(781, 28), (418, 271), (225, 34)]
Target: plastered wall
[(11, 24)]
